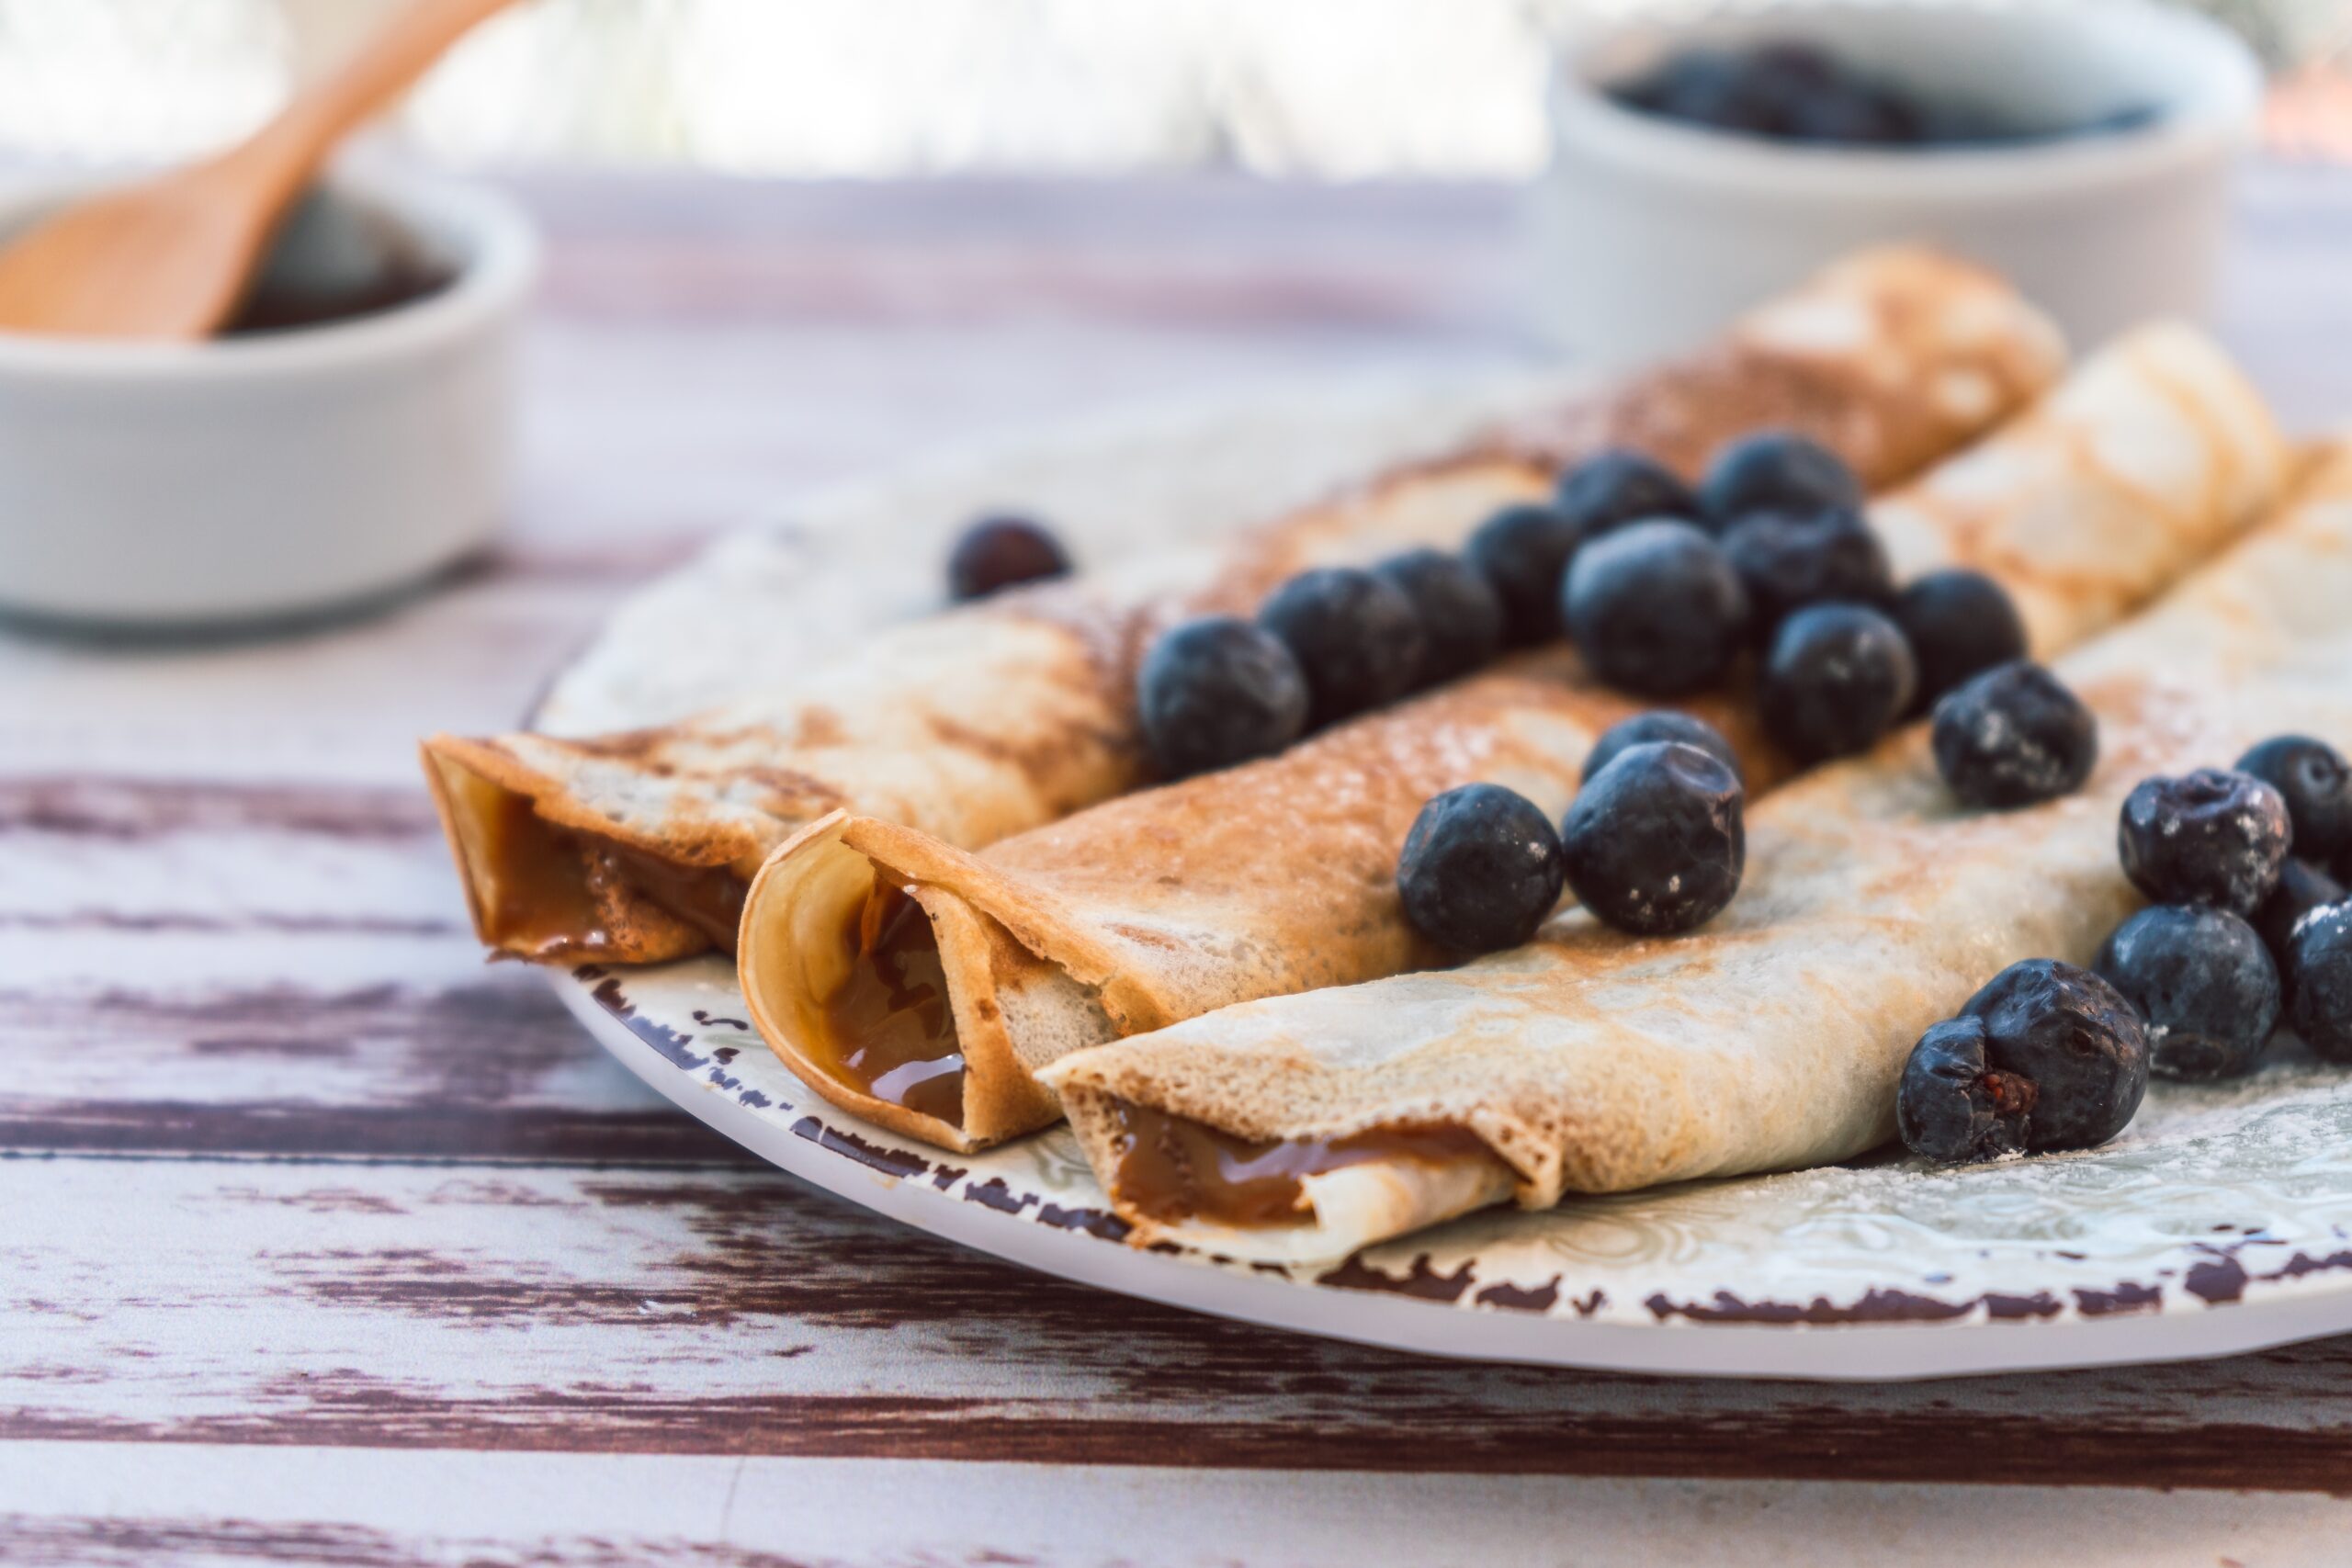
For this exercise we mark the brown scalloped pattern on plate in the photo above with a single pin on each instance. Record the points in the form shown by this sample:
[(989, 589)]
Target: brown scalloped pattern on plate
[(2216, 1196)]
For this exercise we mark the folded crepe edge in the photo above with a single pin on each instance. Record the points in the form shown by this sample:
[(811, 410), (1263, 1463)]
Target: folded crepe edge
[(786, 958), (471, 781)]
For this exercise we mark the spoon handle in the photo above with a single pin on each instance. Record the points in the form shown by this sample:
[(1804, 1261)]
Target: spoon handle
[(293, 146)]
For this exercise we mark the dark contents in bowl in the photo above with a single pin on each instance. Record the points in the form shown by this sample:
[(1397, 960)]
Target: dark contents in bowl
[(336, 259), (1792, 91)]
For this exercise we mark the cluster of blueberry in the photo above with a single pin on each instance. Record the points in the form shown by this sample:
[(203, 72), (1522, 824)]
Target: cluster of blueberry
[(2249, 924), (1663, 589), (1793, 91)]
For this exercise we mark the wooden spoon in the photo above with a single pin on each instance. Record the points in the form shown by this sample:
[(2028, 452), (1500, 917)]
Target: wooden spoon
[(169, 258)]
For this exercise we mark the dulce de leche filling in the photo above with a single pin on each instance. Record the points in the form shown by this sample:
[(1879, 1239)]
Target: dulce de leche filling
[(560, 887), (889, 1030), (1173, 1169)]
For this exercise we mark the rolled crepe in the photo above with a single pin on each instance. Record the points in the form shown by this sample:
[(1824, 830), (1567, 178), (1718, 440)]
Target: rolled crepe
[(1303, 1128), (987, 721), (925, 987)]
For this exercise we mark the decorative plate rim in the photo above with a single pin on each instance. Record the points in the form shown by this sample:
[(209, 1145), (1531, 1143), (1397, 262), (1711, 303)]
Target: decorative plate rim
[(2212, 1306)]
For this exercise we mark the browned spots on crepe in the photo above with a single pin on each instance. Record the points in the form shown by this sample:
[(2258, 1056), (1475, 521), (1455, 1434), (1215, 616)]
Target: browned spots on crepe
[(1882, 414), (1041, 760), (789, 794), (818, 726)]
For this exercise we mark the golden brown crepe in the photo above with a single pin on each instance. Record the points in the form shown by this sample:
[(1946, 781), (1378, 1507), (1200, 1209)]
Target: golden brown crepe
[(987, 721), (1305, 1127), (1278, 877)]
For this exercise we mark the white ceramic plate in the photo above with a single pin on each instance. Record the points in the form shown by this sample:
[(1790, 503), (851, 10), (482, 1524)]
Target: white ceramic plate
[(2219, 1222)]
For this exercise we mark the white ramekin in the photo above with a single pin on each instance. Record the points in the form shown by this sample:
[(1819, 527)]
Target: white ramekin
[(1650, 234), (186, 487)]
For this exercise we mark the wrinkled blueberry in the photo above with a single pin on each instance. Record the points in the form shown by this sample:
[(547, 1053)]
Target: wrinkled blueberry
[(2013, 736), (1355, 637), (1776, 471), (1789, 560), (2205, 988), (2312, 779), (1950, 1105), (1957, 623), (1523, 551), (2320, 982), (2058, 1061), (1656, 841), (2210, 837), (1837, 677), (1655, 608), (1480, 869), (996, 553), (1617, 487), (1661, 724), (1460, 619), (1218, 691), (2302, 888)]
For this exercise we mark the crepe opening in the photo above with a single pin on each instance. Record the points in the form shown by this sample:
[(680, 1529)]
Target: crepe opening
[(879, 992), (553, 892), (1293, 1200)]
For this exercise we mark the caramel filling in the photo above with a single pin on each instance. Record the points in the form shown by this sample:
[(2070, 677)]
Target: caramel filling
[(1173, 1169), (557, 888), (889, 1028)]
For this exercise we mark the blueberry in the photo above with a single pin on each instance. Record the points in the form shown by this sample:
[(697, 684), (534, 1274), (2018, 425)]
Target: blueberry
[(1480, 870), (1789, 560), (2046, 1056), (2209, 836), (1796, 63), (1355, 637), (1776, 471), (1523, 551), (1655, 608), (2302, 888), (1656, 841), (2320, 982), (2205, 988), (1661, 724), (2013, 736), (2317, 786), (1617, 487), (1218, 691), (1957, 622), (1460, 619), (996, 553), (1950, 1105), (1716, 90), (1837, 677), (1853, 114)]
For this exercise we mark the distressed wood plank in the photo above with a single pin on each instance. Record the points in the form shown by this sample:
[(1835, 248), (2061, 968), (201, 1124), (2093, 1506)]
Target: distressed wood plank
[(65, 1505), (735, 1313)]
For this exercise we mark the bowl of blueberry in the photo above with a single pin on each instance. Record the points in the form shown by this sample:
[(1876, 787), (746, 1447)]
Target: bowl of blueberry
[(1703, 162)]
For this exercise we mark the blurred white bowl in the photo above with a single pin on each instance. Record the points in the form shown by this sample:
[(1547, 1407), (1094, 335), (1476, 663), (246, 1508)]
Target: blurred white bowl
[(1651, 233), (284, 474)]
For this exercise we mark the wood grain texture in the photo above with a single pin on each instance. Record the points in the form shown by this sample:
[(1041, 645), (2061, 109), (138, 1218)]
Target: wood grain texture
[(231, 1508), (289, 1173), (428, 1307)]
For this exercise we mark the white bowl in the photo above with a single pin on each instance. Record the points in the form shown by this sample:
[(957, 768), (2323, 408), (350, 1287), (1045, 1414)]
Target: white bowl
[(280, 475), (1651, 233)]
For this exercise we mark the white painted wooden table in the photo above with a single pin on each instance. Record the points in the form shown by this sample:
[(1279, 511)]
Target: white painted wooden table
[(321, 1241)]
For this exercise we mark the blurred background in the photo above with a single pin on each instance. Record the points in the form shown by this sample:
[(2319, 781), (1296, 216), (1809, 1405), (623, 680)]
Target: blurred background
[(1315, 89)]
